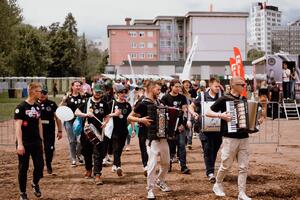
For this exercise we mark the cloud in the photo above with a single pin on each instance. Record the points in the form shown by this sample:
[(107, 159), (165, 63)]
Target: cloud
[(93, 16)]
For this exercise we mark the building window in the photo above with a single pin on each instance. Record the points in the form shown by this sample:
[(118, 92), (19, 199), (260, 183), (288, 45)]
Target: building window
[(142, 55), (133, 55), (142, 34), (150, 55), (133, 45), (150, 33), (165, 43), (142, 45), (150, 45), (132, 33)]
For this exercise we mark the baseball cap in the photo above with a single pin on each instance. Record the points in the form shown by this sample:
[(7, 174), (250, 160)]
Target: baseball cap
[(98, 87), (120, 87), (44, 89)]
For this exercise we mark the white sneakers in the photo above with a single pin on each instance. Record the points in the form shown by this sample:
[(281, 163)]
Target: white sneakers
[(243, 196), (114, 168), (218, 190), (73, 163), (162, 186), (150, 194)]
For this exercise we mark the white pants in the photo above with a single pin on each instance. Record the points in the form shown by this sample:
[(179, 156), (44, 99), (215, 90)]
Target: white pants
[(156, 148), (239, 149)]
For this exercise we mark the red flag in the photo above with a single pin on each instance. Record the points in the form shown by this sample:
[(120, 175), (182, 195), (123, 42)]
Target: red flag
[(233, 68), (240, 67)]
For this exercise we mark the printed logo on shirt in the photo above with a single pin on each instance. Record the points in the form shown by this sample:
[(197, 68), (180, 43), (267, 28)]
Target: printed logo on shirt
[(17, 111), (25, 123), (101, 110), (48, 108), (33, 113), (124, 111)]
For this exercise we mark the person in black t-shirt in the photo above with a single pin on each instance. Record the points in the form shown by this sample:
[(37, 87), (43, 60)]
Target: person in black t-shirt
[(121, 111), (94, 107), (274, 99), (177, 100), (49, 118), (211, 141), (73, 100), (29, 135), (108, 97), (235, 145), (155, 146)]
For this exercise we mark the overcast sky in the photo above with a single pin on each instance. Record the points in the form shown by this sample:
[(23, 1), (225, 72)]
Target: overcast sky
[(93, 16)]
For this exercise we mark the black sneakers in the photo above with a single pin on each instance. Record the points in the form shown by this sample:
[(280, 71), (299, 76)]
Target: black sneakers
[(36, 190), (185, 170), (23, 196)]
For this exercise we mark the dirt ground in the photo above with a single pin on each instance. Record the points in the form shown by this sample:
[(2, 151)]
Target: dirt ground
[(274, 173)]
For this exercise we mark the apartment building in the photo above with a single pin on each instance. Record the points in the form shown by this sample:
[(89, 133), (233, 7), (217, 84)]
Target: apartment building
[(262, 18)]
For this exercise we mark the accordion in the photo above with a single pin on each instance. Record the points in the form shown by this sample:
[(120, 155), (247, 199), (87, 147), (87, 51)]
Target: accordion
[(165, 121), (244, 116)]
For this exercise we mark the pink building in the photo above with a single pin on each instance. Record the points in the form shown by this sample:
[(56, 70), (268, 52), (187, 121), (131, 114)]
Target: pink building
[(140, 41)]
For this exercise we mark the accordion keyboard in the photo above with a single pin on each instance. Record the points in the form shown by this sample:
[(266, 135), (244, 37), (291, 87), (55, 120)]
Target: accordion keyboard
[(232, 125)]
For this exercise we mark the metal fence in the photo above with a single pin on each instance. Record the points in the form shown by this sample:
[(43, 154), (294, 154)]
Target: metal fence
[(269, 130)]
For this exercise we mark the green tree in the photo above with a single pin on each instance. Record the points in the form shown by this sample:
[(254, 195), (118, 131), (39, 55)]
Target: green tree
[(10, 18), (30, 56), (84, 56), (104, 61), (253, 54), (63, 43)]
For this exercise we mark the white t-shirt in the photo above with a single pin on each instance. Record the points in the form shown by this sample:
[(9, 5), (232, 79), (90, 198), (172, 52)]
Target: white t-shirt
[(286, 75)]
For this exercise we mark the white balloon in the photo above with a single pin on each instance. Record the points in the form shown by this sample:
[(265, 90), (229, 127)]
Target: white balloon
[(64, 113)]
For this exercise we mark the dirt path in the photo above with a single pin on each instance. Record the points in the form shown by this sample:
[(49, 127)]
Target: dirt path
[(272, 175)]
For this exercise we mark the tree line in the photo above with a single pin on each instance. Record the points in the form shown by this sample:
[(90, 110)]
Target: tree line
[(55, 50)]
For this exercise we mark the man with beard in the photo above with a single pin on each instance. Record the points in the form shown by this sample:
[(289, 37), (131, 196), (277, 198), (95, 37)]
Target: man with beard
[(156, 146), (177, 100), (94, 109), (235, 144)]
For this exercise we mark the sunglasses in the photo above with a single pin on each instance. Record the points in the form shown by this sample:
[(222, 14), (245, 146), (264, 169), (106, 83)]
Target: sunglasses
[(123, 92)]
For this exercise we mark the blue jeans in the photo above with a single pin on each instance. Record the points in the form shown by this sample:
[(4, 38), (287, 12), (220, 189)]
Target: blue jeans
[(74, 141), (292, 89), (180, 142), (286, 89)]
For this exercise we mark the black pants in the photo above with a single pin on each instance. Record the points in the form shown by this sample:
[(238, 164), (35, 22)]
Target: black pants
[(117, 146), (36, 153), (96, 152), (143, 149), (49, 148), (211, 143)]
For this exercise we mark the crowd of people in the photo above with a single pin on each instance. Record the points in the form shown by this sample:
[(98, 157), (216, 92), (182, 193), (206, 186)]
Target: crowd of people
[(130, 107)]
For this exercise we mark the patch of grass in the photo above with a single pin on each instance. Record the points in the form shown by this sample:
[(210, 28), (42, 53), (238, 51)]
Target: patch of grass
[(8, 105)]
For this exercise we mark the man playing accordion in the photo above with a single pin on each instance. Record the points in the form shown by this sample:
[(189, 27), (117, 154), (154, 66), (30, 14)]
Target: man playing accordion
[(235, 144), (156, 144)]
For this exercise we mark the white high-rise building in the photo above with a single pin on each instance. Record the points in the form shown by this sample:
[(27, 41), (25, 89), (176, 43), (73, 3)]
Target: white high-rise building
[(262, 18)]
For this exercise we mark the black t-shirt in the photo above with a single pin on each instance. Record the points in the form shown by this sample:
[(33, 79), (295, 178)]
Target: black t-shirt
[(274, 94), (100, 110), (141, 109), (74, 102), (193, 93), (48, 109), (120, 122), (30, 115), (263, 91), (220, 105), (176, 102)]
